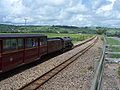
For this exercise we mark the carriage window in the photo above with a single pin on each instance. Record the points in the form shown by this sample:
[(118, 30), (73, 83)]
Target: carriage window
[(6, 44), (43, 41), (31, 42), (20, 43), (9, 44), (13, 44)]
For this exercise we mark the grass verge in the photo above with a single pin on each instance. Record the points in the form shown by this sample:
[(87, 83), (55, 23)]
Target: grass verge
[(119, 72), (112, 41)]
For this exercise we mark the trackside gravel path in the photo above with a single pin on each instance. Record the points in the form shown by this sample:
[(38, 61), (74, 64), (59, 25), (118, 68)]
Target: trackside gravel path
[(79, 74)]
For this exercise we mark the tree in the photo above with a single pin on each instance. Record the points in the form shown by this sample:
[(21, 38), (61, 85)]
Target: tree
[(99, 31)]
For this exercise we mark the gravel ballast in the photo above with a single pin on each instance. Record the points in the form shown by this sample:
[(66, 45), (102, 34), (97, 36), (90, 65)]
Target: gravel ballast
[(17, 81), (110, 77), (79, 74)]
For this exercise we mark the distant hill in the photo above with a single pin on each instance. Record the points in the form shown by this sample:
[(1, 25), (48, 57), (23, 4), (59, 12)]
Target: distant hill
[(54, 29), (6, 28)]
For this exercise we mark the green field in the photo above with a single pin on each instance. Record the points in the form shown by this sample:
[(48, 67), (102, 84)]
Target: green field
[(75, 37), (112, 41), (115, 49)]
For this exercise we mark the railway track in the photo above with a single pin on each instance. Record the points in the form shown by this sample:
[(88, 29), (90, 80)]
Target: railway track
[(35, 84)]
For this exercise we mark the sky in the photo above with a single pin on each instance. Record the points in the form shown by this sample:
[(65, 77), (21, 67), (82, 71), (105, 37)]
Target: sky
[(105, 13)]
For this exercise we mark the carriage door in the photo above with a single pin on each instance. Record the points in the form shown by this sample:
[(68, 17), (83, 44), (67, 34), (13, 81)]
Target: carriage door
[(0, 56), (12, 55), (31, 50), (43, 46)]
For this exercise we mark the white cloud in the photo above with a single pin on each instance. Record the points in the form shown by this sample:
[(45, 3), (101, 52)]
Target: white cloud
[(68, 12), (79, 8), (108, 7)]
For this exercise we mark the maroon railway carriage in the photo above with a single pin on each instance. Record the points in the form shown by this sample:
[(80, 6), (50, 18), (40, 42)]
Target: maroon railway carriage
[(54, 44), (18, 49)]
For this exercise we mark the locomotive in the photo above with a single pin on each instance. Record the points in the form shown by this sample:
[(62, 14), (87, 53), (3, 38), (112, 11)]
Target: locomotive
[(19, 49)]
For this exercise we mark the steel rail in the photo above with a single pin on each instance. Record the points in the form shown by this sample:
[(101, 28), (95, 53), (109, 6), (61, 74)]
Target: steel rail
[(96, 84), (45, 77)]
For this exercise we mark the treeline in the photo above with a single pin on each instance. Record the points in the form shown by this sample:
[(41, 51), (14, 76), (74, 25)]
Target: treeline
[(45, 29), (59, 29), (62, 26), (115, 33)]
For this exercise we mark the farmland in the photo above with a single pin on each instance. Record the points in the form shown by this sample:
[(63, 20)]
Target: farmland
[(111, 42)]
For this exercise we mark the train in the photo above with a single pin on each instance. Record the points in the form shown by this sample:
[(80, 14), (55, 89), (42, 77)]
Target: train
[(21, 49)]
